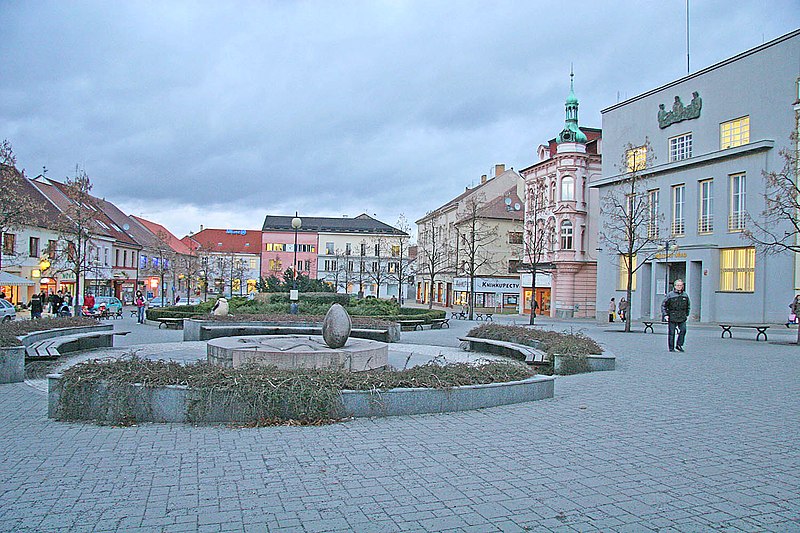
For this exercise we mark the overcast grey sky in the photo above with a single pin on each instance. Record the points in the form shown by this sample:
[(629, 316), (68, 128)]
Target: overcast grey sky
[(218, 113)]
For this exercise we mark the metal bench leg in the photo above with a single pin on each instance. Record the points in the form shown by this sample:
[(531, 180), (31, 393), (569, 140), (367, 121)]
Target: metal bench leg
[(762, 331), (650, 327), (728, 331)]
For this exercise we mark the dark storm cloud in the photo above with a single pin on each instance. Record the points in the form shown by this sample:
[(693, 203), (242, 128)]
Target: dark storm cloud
[(328, 107)]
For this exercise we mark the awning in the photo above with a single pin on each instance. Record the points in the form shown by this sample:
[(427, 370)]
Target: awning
[(11, 279)]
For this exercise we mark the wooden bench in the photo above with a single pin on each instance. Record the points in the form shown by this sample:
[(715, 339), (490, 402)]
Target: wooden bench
[(531, 355), (410, 325), (170, 323), (49, 348), (648, 324), (439, 323), (761, 329)]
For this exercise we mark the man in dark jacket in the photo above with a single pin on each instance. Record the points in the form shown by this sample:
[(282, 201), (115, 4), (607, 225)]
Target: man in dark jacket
[(675, 310)]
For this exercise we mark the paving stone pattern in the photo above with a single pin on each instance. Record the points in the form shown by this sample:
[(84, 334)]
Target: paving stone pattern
[(705, 440)]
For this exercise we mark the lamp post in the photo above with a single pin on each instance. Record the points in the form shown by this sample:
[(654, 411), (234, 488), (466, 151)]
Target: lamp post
[(297, 223), (669, 246)]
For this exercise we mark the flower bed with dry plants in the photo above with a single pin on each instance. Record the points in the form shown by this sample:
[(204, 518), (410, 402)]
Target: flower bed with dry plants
[(9, 331), (271, 396)]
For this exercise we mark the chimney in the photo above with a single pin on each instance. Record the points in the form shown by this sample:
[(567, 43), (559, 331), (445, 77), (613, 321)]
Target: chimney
[(483, 179), (499, 169), (201, 227)]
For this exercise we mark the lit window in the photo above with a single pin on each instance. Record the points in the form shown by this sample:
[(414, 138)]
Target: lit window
[(623, 273), (395, 250), (567, 188), (706, 222), (514, 237), (680, 147), (678, 199), (737, 269), (636, 158), (566, 235), (9, 243), (738, 197), (734, 133), (329, 248)]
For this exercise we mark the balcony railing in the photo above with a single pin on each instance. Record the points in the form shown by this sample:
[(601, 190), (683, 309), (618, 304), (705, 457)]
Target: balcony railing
[(705, 224), (678, 227), (736, 221)]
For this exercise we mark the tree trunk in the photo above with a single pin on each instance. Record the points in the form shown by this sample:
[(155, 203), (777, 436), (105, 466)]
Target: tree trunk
[(533, 299)]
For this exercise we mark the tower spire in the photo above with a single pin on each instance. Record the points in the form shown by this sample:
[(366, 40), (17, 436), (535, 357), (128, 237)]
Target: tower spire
[(571, 132)]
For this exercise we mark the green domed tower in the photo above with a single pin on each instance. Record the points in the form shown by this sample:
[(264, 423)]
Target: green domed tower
[(571, 132)]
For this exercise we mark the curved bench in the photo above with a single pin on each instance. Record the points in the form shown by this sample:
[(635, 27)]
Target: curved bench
[(530, 355)]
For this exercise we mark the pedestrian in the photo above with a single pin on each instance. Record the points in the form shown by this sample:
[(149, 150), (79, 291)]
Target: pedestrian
[(88, 302), (535, 307), (67, 299), (612, 309), (36, 307), (140, 307), (623, 308), (794, 310), (675, 310)]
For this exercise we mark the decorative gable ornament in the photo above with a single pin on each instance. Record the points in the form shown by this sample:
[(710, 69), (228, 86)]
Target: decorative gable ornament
[(679, 112)]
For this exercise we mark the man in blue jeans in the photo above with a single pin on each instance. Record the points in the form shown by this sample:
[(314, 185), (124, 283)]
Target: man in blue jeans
[(675, 310)]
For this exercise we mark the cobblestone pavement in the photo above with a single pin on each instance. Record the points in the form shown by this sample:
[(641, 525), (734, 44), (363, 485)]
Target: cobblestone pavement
[(705, 440)]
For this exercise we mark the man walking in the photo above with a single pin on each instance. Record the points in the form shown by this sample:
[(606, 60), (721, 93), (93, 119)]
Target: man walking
[(675, 310)]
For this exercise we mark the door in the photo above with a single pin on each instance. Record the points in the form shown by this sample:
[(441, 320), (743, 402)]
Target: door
[(695, 288)]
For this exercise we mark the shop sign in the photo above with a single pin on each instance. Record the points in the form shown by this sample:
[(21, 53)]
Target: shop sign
[(236, 231), (494, 285)]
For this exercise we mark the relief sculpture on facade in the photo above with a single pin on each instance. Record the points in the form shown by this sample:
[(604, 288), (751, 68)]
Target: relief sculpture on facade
[(679, 111)]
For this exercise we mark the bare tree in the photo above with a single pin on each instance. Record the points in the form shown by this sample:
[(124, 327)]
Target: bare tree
[(161, 260), (434, 257), (631, 222), (538, 238), (75, 230), (777, 230), (17, 207), (475, 238), (378, 271), (188, 267), (398, 247)]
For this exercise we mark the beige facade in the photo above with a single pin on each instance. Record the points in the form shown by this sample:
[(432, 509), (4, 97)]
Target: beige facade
[(444, 234)]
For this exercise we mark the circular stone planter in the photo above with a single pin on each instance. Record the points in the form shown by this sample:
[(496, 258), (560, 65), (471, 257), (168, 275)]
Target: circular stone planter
[(596, 362), (180, 403)]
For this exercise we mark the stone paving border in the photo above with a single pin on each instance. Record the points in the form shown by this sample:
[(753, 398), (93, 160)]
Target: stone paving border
[(179, 403)]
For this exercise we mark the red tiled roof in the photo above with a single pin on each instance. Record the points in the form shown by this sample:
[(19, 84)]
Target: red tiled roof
[(175, 243), (224, 240)]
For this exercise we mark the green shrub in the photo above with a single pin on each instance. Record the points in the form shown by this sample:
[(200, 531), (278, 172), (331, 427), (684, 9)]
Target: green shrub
[(374, 307), (574, 364), (312, 298)]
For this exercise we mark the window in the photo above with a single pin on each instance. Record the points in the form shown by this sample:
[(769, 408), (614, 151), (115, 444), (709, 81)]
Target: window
[(553, 191), (374, 266), (652, 214), (51, 248), (142, 261), (566, 235), (680, 147), (330, 265), (253, 263), (514, 237), (623, 273), (705, 223), (9, 243), (392, 267), (116, 258), (33, 247), (348, 248), (737, 267), (738, 190), (734, 133), (636, 158), (567, 188), (678, 199), (275, 265), (328, 248), (349, 266), (363, 249), (124, 257), (395, 250), (513, 266), (105, 256), (307, 265)]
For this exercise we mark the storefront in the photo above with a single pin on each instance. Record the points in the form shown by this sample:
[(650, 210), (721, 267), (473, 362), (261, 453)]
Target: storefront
[(11, 286), (498, 293), (542, 293)]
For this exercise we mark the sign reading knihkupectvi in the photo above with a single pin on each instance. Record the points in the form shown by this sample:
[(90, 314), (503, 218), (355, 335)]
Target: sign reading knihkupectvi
[(679, 112)]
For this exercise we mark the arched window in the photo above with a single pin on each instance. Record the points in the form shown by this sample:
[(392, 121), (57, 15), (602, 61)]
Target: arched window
[(553, 191), (566, 235), (567, 188)]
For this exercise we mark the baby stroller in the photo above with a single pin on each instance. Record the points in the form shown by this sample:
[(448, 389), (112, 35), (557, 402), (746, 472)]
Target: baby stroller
[(64, 310)]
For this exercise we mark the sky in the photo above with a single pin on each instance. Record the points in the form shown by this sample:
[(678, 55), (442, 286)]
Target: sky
[(219, 113)]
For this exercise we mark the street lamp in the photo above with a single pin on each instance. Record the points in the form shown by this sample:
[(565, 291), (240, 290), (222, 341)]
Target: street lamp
[(297, 223), (669, 246)]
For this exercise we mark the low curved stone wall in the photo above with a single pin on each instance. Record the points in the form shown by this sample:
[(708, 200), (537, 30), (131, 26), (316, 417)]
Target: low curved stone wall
[(193, 330), (180, 404), (37, 336), (597, 363)]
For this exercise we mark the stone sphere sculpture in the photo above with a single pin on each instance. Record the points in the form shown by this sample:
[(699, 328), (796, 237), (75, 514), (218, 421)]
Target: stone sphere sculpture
[(336, 326)]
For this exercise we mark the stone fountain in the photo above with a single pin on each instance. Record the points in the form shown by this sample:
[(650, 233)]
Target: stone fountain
[(334, 350)]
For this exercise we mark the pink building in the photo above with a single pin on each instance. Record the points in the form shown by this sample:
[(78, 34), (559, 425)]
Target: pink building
[(277, 247)]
